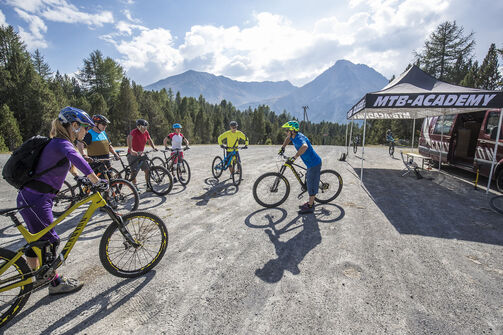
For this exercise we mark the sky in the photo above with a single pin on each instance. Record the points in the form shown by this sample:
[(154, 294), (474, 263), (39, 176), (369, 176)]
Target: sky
[(254, 40)]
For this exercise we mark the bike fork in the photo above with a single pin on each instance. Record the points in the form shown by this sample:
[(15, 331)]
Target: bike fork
[(120, 225)]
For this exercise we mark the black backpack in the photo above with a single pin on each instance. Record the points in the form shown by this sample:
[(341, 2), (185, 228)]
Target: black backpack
[(20, 167)]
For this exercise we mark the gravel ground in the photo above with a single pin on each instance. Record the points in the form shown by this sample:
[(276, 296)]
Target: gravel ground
[(390, 255)]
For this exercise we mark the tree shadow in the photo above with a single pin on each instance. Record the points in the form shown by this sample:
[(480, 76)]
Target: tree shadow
[(291, 252), (215, 190), (101, 305)]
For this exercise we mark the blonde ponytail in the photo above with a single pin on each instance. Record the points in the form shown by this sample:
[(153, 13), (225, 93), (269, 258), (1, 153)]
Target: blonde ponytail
[(60, 131)]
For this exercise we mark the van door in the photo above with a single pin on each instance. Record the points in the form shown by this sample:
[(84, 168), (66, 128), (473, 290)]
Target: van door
[(486, 141), (439, 143)]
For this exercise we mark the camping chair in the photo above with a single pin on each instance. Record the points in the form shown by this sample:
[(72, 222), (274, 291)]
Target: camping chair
[(410, 166)]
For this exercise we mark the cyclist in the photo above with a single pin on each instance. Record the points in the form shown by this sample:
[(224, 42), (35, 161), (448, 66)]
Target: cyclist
[(71, 124), (176, 138), (389, 136), (232, 137), (97, 142), (136, 141), (309, 157)]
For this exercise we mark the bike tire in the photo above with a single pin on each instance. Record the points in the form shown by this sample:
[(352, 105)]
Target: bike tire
[(160, 180), (158, 161), (64, 199), (391, 149), (496, 203), (355, 148), (237, 173), (217, 167), (122, 196), (330, 186), (183, 172), (271, 183), (17, 296), (120, 258)]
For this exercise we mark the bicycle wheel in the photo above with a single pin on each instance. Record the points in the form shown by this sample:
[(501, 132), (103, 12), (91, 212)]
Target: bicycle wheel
[(330, 186), (159, 180), (497, 203), (237, 173), (12, 301), (63, 200), (355, 147), (217, 167), (391, 149), (183, 172), (122, 259), (271, 189), (122, 196), (158, 161)]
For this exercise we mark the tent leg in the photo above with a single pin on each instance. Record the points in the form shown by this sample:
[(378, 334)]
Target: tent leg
[(350, 137), (495, 151), (363, 146), (346, 142), (413, 131), (441, 143)]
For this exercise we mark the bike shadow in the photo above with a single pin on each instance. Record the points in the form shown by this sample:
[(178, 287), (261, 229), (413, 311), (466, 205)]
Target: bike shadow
[(216, 189), (94, 309), (291, 253), (151, 200)]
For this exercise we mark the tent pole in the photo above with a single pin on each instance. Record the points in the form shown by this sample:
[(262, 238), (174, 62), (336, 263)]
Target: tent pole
[(350, 137), (441, 142), (363, 146), (495, 151), (346, 142), (413, 131)]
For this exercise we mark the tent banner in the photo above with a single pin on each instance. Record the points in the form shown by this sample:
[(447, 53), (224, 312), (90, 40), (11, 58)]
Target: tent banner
[(436, 100)]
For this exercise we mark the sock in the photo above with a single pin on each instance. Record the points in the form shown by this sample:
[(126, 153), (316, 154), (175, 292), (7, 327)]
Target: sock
[(56, 280)]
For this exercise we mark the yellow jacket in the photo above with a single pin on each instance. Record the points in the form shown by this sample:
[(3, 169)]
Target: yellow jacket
[(232, 138)]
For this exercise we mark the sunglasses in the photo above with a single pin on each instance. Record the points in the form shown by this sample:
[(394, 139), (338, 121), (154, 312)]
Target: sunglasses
[(85, 126)]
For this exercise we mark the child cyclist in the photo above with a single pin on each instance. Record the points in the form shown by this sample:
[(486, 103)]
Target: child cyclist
[(176, 138), (72, 124)]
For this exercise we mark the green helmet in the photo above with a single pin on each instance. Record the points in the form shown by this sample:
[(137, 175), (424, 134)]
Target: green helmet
[(291, 125)]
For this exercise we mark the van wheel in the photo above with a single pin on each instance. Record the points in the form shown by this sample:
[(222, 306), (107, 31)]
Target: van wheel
[(499, 181), (434, 164)]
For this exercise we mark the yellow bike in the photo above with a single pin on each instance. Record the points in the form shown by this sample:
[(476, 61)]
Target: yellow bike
[(131, 246)]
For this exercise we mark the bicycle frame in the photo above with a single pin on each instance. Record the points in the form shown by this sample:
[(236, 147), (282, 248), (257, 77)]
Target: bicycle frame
[(34, 242), (295, 173)]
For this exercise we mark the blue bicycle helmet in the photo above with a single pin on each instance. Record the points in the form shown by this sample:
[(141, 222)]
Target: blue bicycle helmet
[(71, 114), (177, 126)]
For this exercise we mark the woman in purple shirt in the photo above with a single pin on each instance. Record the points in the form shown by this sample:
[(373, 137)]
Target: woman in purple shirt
[(71, 124)]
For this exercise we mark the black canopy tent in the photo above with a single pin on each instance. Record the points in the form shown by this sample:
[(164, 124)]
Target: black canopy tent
[(416, 94)]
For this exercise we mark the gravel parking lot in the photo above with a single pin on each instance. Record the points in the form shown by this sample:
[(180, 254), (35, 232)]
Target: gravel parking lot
[(390, 255)]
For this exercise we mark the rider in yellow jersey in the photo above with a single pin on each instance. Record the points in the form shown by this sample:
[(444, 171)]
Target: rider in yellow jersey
[(232, 138)]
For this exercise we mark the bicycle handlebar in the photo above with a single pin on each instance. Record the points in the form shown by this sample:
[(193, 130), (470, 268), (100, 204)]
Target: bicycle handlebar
[(171, 149), (100, 186)]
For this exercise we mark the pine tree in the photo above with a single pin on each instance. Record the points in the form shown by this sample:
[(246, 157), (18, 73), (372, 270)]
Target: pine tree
[(472, 77), (489, 77), (9, 129), (43, 69), (443, 49)]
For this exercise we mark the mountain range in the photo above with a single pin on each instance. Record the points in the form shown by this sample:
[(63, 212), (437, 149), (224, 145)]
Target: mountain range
[(329, 96)]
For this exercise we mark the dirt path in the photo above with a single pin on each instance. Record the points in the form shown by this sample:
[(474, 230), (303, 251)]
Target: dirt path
[(398, 256)]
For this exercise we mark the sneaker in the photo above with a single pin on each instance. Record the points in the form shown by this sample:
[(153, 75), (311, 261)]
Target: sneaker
[(182, 179), (306, 209), (174, 180), (67, 285), (303, 205)]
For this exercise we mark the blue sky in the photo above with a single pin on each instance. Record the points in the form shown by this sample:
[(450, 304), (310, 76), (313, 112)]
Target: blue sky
[(244, 40)]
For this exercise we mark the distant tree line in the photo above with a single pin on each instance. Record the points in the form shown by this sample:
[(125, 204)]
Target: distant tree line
[(31, 95)]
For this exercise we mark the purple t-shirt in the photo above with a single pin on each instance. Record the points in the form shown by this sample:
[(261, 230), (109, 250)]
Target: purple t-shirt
[(56, 150)]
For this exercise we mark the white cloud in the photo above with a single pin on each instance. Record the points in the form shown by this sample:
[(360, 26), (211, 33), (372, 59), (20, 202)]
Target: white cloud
[(34, 39), (2, 19), (380, 33), (128, 15)]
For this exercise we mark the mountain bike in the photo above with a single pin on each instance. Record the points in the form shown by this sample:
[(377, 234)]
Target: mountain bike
[(122, 196), (496, 203), (159, 179), (182, 168), (272, 188), (131, 245), (231, 159), (391, 146)]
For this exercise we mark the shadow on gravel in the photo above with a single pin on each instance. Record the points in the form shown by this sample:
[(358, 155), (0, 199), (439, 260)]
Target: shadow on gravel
[(90, 311), (438, 205), (150, 200), (291, 253), (216, 189)]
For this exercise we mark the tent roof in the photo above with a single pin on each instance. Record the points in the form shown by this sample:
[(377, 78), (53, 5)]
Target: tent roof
[(416, 94)]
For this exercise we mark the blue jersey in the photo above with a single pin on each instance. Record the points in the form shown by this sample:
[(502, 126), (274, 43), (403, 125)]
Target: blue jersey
[(309, 157)]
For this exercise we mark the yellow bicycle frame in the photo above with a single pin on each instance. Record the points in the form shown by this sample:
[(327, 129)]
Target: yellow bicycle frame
[(97, 201)]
